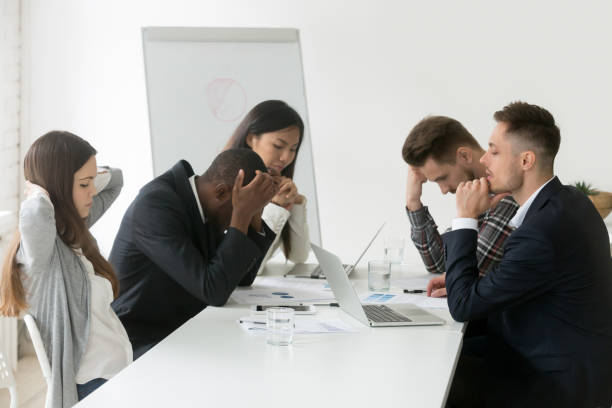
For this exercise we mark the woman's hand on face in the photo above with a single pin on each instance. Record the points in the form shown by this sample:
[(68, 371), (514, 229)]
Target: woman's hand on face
[(32, 189), (287, 194)]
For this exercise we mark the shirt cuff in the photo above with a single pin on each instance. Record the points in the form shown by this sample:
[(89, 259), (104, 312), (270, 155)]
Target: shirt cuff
[(275, 216), (465, 223)]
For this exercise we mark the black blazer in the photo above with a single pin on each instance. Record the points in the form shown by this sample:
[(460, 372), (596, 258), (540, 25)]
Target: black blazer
[(170, 264), (548, 303)]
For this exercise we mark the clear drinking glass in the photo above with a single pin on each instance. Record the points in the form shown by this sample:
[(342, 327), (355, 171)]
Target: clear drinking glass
[(379, 275), (394, 249), (280, 326)]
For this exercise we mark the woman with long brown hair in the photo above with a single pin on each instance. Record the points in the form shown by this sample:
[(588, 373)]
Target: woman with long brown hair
[(55, 272), (274, 130)]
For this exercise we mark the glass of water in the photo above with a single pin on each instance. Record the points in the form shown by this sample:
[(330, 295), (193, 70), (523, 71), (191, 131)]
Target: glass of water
[(379, 275), (280, 324), (394, 250)]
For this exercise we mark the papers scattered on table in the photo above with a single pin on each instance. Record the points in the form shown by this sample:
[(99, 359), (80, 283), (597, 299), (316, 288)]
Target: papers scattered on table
[(420, 300), (279, 290), (303, 325), (269, 290)]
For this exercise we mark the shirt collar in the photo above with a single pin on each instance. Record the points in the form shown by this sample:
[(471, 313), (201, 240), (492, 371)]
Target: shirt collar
[(195, 193), (519, 217)]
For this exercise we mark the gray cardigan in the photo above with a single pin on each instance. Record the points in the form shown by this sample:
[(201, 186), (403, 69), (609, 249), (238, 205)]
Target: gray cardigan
[(57, 287)]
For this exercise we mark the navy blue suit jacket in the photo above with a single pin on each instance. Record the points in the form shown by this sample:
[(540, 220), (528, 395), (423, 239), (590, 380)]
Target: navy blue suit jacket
[(171, 264), (549, 301)]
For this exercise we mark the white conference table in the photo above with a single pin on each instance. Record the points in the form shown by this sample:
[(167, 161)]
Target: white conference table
[(211, 361)]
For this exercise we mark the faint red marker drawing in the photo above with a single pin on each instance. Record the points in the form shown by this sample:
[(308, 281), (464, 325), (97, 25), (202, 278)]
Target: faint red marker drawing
[(226, 99)]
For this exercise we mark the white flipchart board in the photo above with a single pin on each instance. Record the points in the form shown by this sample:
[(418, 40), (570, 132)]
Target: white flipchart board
[(201, 82)]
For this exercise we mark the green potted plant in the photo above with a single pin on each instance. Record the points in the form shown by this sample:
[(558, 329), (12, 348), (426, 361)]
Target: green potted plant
[(601, 199)]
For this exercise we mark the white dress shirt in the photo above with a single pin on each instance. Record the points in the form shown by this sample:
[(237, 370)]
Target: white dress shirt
[(515, 222), (518, 218), (197, 198)]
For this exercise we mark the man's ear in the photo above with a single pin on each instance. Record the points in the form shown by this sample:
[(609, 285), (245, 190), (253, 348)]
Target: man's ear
[(464, 155), (223, 192), (528, 160)]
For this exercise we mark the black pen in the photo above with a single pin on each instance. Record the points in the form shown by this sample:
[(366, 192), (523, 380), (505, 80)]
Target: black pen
[(414, 290), (254, 322), (332, 304)]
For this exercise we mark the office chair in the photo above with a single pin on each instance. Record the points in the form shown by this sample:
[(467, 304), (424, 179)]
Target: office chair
[(41, 354), (7, 380)]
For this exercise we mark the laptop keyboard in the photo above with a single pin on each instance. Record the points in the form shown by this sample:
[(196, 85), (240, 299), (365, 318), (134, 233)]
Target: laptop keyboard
[(382, 313)]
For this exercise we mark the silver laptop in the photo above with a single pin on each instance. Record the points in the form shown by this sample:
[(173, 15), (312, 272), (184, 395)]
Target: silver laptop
[(314, 271), (370, 315)]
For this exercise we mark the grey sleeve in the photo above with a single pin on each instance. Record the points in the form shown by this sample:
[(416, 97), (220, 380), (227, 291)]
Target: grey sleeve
[(38, 231), (105, 197)]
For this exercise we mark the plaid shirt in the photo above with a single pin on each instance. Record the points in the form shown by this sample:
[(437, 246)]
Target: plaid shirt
[(493, 229)]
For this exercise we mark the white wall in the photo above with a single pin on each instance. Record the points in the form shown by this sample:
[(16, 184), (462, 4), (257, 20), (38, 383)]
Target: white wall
[(372, 70), (10, 77), (10, 70)]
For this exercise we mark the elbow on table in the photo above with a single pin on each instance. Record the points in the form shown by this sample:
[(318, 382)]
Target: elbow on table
[(458, 310), (218, 298), (458, 315), (218, 301), (299, 256), (435, 269)]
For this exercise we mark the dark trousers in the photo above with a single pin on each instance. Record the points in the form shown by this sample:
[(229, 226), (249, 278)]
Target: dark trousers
[(471, 372), (84, 390), (487, 373), (490, 374)]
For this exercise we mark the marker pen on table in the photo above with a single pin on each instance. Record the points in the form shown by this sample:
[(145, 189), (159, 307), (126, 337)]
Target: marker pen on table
[(253, 322), (333, 304), (414, 290)]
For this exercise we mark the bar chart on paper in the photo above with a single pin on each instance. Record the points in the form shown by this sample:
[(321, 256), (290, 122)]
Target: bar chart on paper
[(270, 290)]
